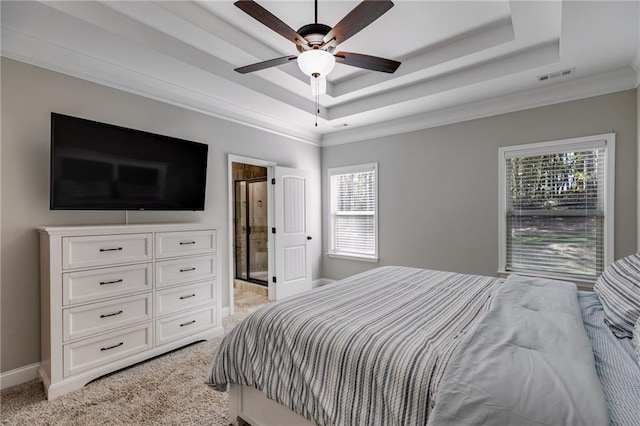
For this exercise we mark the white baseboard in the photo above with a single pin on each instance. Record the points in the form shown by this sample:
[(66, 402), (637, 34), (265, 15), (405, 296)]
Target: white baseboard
[(320, 282), (19, 375), (225, 312)]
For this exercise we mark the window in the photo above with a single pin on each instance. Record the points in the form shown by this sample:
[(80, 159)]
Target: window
[(556, 207), (354, 212)]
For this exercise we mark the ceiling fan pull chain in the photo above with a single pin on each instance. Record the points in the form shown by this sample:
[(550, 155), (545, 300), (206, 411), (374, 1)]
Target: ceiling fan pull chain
[(317, 97)]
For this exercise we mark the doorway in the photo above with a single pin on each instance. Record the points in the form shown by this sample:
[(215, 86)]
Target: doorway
[(287, 255), (250, 214)]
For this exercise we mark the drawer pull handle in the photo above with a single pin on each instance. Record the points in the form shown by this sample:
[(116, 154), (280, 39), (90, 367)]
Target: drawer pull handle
[(187, 269), (184, 243), (110, 315), (187, 323), (111, 347), (187, 296), (111, 249), (111, 282)]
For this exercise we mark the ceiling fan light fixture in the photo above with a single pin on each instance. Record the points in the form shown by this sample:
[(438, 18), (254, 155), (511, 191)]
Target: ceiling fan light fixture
[(316, 61)]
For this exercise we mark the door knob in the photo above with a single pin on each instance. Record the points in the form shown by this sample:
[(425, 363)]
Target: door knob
[(308, 237)]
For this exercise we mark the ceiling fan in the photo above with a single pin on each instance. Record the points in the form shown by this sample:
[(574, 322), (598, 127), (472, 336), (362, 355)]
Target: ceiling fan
[(317, 42)]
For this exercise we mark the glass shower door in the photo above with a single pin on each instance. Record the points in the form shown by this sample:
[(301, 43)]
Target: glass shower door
[(241, 244), (257, 215), (252, 263)]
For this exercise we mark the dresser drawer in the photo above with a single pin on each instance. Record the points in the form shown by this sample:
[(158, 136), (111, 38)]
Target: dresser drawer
[(176, 299), (87, 286), (179, 271), (81, 252), (177, 326), (90, 353), (95, 318), (172, 244)]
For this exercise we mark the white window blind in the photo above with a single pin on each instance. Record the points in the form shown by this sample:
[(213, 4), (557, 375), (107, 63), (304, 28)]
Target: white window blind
[(555, 216), (353, 211)]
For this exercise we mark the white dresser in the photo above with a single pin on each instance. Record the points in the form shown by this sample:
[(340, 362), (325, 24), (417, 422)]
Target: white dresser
[(115, 295)]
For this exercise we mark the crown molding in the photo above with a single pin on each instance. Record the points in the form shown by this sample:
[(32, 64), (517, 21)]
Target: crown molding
[(635, 64), (491, 35), (533, 57), (29, 49), (172, 35), (45, 54), (586, 87)]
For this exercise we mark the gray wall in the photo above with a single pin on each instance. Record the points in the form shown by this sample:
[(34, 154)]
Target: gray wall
[(438, 188), (430, 216), (29, 95)]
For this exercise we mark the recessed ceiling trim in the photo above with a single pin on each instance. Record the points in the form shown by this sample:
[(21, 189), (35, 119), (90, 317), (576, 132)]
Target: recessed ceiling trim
[(536, 56), (175, 47), (184, 53), (42, 53), (494, 34), (601, 84), (164, 21), (199, 15)]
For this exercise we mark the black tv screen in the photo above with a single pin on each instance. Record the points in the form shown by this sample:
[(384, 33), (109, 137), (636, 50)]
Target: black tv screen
[(98, 166)]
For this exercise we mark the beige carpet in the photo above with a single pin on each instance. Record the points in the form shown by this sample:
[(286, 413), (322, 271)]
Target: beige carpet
[(168, 390)]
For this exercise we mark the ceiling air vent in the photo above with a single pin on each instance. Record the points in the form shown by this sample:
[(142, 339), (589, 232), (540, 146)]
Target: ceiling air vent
[(563, 73)]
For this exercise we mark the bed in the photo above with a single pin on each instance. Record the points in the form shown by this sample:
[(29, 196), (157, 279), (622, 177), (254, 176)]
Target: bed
[(404, 346)]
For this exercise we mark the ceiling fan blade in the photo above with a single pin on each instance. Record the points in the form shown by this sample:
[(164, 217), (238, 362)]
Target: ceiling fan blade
[(266, 64), (367, 62), (267, 18), (361, 16)]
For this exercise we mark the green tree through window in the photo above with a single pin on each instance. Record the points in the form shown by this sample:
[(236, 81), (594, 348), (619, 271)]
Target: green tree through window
[(554, 208)]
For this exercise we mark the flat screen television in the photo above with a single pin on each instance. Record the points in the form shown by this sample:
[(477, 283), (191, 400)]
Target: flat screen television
[(98, 166)]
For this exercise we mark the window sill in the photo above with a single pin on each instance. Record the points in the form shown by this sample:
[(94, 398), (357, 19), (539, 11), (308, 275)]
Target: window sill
[(582, 282), (353, 257)]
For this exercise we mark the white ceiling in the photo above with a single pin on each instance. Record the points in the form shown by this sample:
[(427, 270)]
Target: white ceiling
[(460, 59)]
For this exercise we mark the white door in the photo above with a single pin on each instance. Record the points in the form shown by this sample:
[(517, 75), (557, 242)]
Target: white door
[(292, 253)]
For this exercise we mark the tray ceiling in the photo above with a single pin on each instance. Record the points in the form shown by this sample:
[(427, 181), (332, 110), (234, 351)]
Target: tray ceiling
[(460, 60)]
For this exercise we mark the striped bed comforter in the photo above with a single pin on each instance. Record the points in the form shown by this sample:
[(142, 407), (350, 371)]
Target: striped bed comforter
[(370, 349)]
